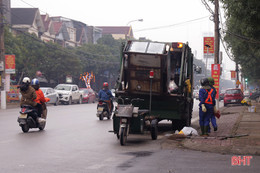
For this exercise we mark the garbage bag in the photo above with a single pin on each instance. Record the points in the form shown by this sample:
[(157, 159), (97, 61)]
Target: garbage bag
[(188, 131)]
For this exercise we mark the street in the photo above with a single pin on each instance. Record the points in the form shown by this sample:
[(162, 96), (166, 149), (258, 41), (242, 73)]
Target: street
[(76, 141)]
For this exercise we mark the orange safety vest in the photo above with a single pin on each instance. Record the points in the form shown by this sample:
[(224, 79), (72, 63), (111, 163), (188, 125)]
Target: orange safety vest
[(209, 98)]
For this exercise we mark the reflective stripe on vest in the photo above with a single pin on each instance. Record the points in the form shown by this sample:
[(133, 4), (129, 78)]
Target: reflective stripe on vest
[(209, 98)]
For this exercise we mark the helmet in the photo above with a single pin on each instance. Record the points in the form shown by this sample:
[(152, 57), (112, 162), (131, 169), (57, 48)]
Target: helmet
[(26, 80), (211, 81), (35, 81), (204, 82), (35, 84), (105, 84)]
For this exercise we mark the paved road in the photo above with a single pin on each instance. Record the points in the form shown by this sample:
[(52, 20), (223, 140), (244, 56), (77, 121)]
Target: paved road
[(76, 141)]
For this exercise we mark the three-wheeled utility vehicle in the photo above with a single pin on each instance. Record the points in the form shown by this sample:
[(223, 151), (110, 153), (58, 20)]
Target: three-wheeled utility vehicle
[(155, 83)]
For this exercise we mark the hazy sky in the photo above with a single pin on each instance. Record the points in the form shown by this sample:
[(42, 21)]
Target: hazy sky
[(164, 20)]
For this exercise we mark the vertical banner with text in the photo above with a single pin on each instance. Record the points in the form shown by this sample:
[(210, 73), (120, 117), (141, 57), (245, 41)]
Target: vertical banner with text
[(10, 64), (215, 73), (233, 75)]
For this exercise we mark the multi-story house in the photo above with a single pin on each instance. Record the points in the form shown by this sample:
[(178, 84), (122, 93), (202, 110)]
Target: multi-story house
[(49, 33), (27, 20), (118, 32)]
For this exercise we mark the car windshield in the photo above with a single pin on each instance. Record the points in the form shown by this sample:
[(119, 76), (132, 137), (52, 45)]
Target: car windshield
[(63, 87), (232, 91)]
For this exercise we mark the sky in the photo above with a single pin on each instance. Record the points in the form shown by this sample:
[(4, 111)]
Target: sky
[(164, 20)]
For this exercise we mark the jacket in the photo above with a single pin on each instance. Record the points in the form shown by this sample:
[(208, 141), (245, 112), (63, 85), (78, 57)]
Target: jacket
[(28, 97), (40, 97)]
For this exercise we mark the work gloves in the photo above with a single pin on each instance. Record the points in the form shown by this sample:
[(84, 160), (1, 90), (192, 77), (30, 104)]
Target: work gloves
[(203, 108)]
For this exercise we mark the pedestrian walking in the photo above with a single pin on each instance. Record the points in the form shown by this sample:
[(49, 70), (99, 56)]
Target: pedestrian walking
[(206, 105)]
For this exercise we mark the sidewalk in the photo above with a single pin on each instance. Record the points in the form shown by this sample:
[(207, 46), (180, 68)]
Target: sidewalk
[(238, 133)]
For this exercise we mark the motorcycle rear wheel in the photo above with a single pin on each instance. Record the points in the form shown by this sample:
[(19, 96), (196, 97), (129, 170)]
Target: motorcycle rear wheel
[(101, 117), (25, 128)]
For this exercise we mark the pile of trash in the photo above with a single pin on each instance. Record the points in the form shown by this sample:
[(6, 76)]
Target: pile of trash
[(184, 133)]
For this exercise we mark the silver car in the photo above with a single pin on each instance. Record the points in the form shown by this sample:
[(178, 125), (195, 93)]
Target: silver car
[(51, 94)]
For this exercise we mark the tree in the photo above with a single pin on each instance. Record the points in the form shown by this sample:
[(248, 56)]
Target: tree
[(243, 34)]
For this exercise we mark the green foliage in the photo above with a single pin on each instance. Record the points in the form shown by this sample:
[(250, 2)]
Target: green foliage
[(33, 55), (243, 34), (56, 62)]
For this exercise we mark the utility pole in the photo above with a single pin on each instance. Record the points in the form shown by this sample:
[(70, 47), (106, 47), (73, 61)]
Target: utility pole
[(237, 72), (2, 57), (216, 21), (216, 57)]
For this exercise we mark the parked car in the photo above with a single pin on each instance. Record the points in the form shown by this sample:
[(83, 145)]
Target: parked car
[(51, 94), (196, 94), (221, 95), (69, 93), (88, 95), (233, 96)]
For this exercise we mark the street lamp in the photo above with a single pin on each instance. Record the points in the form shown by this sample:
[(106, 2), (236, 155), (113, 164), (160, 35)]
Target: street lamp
[(137, 20)]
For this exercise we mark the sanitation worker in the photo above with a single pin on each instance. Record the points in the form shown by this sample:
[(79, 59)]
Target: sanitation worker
[(213, 118), (206, 105)]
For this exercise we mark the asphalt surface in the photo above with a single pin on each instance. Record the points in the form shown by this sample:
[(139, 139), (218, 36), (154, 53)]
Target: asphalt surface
[(76, 141)]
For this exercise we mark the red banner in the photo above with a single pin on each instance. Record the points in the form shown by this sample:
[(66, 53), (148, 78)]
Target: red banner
[(233, 75), (208, 41), (215, 74), (10, 64)]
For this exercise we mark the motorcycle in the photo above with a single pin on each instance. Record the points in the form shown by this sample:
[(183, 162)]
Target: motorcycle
[(29, 119), (103, 110)]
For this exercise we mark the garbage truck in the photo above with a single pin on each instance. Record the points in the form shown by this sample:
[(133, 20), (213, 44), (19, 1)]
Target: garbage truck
[(159, 75)]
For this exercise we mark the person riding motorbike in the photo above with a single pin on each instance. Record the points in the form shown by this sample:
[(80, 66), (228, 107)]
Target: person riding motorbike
[(40, 98), (106, 95), (28, 95)]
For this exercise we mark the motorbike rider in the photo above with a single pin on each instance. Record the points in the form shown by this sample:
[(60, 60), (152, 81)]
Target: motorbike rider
[(40, 97), (207, 103), (29, 95), (106, 95)]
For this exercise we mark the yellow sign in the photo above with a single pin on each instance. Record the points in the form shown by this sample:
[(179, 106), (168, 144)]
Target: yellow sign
[(238, 82)]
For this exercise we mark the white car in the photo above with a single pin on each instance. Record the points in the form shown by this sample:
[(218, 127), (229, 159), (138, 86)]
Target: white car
[(51, 94), (69, 93)]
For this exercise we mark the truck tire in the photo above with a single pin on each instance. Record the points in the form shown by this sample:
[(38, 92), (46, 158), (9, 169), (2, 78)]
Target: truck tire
[(80, 100), (70, 101)]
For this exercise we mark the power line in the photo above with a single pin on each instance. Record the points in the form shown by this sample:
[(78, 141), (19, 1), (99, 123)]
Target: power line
[(167, 26)]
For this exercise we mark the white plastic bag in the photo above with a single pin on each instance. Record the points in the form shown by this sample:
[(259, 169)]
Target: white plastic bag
[(188, 131)]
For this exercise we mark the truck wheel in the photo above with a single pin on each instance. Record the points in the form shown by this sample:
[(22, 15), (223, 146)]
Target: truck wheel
[(70, 101), (80, 100), (154, 129), (154, 132), (123, 136)]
